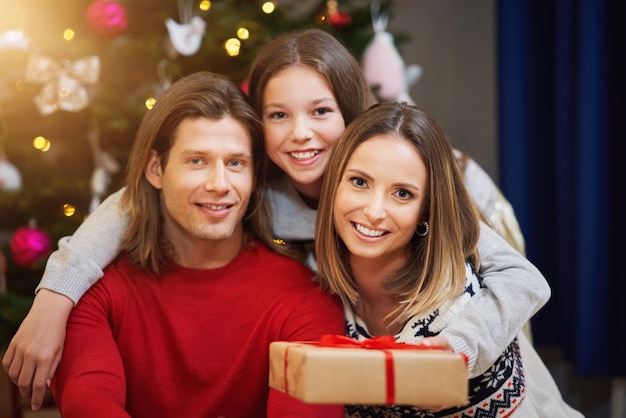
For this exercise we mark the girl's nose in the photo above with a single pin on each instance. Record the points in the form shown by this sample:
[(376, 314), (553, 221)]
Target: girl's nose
[(302, 129)]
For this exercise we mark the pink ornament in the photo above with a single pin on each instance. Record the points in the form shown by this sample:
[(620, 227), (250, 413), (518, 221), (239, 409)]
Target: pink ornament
[(107, 17), (30, 245)]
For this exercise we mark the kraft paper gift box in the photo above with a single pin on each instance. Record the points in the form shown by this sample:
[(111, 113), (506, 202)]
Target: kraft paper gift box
[(348, 373)]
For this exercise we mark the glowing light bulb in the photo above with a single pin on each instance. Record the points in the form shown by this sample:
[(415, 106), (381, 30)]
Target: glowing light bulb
[(243, 33), (232, 46), (68, 34), (268, 7), (69, 210), (150, 103), (41, 143)]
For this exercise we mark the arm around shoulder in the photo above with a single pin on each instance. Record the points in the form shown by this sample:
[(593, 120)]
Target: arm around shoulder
[(80, 259), (514, 291)]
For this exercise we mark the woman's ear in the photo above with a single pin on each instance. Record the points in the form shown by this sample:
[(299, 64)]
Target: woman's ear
[(153, 171)]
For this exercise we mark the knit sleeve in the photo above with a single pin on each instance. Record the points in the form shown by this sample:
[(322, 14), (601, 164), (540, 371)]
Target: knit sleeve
[(80, 259), (514, 291)]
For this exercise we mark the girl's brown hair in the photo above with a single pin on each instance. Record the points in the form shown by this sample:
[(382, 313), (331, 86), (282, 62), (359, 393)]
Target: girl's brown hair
[(321, 52)]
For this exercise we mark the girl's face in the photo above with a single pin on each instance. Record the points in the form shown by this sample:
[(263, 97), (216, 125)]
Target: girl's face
[(302, 123), (380, 199)]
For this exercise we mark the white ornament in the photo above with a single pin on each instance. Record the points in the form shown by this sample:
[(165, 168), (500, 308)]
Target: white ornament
[(64, 83), (186, 36), (10, 177)]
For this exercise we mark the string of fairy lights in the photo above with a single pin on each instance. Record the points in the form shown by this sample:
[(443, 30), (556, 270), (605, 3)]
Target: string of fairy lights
[(63, 83)]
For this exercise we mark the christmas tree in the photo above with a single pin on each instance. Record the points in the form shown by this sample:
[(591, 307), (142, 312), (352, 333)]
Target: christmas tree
[(76, 77)]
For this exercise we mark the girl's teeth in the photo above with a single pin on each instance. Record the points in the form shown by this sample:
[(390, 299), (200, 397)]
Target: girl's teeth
[(304, 155)]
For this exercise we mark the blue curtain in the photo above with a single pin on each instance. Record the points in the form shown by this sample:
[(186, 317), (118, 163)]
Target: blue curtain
[(562, 114)]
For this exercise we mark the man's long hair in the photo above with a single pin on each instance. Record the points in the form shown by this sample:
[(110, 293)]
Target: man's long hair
[(200, 95)]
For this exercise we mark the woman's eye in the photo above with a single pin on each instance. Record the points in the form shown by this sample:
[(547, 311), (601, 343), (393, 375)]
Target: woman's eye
[(358, 181), (322, 111), (277, 115), (404, 194)]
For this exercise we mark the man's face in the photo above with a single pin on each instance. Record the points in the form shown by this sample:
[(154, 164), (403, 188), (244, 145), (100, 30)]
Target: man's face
[(206, 184)]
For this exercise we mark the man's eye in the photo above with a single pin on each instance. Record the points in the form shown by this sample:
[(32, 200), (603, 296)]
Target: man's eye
[(195, 161)]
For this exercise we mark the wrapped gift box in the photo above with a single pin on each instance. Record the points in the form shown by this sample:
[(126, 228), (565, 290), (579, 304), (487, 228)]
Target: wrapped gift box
[(357, 375)]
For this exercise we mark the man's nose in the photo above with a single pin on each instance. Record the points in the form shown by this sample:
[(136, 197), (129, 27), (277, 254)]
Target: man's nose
[(217, 179)]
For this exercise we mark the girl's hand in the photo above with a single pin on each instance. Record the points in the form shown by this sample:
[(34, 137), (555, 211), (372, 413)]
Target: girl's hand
[(35, 350), (438, 341)]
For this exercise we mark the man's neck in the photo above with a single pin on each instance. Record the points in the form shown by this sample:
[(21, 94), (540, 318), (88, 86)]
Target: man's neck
[(208, 254)]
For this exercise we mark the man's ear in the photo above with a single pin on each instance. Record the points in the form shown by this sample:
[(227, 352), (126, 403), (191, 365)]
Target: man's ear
[(153, 171)]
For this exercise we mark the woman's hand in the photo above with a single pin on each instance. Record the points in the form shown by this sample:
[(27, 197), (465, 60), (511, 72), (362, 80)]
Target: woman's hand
[(35, 350)]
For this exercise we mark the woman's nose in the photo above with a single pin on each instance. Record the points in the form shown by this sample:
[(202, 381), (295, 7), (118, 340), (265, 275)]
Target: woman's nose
[(375, 208)]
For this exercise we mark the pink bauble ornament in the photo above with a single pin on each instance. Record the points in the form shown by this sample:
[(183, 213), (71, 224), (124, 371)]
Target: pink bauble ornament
[(107, 18), (30, 245)]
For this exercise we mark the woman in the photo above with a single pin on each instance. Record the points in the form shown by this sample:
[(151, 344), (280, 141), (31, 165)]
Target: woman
[(397, 236)]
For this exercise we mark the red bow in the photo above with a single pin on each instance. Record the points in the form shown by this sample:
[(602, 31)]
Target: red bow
[(376, 343)]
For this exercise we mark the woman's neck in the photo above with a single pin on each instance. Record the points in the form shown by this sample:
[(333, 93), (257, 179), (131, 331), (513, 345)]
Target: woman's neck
[(374, 304)]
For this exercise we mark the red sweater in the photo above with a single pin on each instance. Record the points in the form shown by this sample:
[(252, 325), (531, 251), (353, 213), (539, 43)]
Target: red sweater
[(192, 343)]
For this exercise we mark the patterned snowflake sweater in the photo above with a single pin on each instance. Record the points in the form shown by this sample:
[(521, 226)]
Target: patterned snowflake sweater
[(495, 393)]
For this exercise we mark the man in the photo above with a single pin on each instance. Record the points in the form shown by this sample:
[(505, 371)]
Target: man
[(181, 322)]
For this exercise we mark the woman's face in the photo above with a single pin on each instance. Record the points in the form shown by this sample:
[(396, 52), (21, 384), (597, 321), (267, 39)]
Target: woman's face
[(302, 123), (380, 198)]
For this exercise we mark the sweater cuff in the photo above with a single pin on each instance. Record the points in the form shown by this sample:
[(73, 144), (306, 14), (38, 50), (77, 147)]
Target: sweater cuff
[(460, 346), (68, 281)]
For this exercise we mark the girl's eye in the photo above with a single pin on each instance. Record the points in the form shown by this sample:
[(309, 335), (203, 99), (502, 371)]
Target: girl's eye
[(322, 111), (277, 115)]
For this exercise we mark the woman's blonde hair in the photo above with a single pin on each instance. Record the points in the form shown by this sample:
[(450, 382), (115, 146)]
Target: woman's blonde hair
[(435, 269), (200, 95)]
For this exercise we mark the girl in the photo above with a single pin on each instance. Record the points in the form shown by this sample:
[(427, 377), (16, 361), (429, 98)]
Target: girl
[(307, 87), (397, 236)]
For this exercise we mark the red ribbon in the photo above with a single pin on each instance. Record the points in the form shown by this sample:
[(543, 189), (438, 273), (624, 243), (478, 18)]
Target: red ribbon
[(383, 343)]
